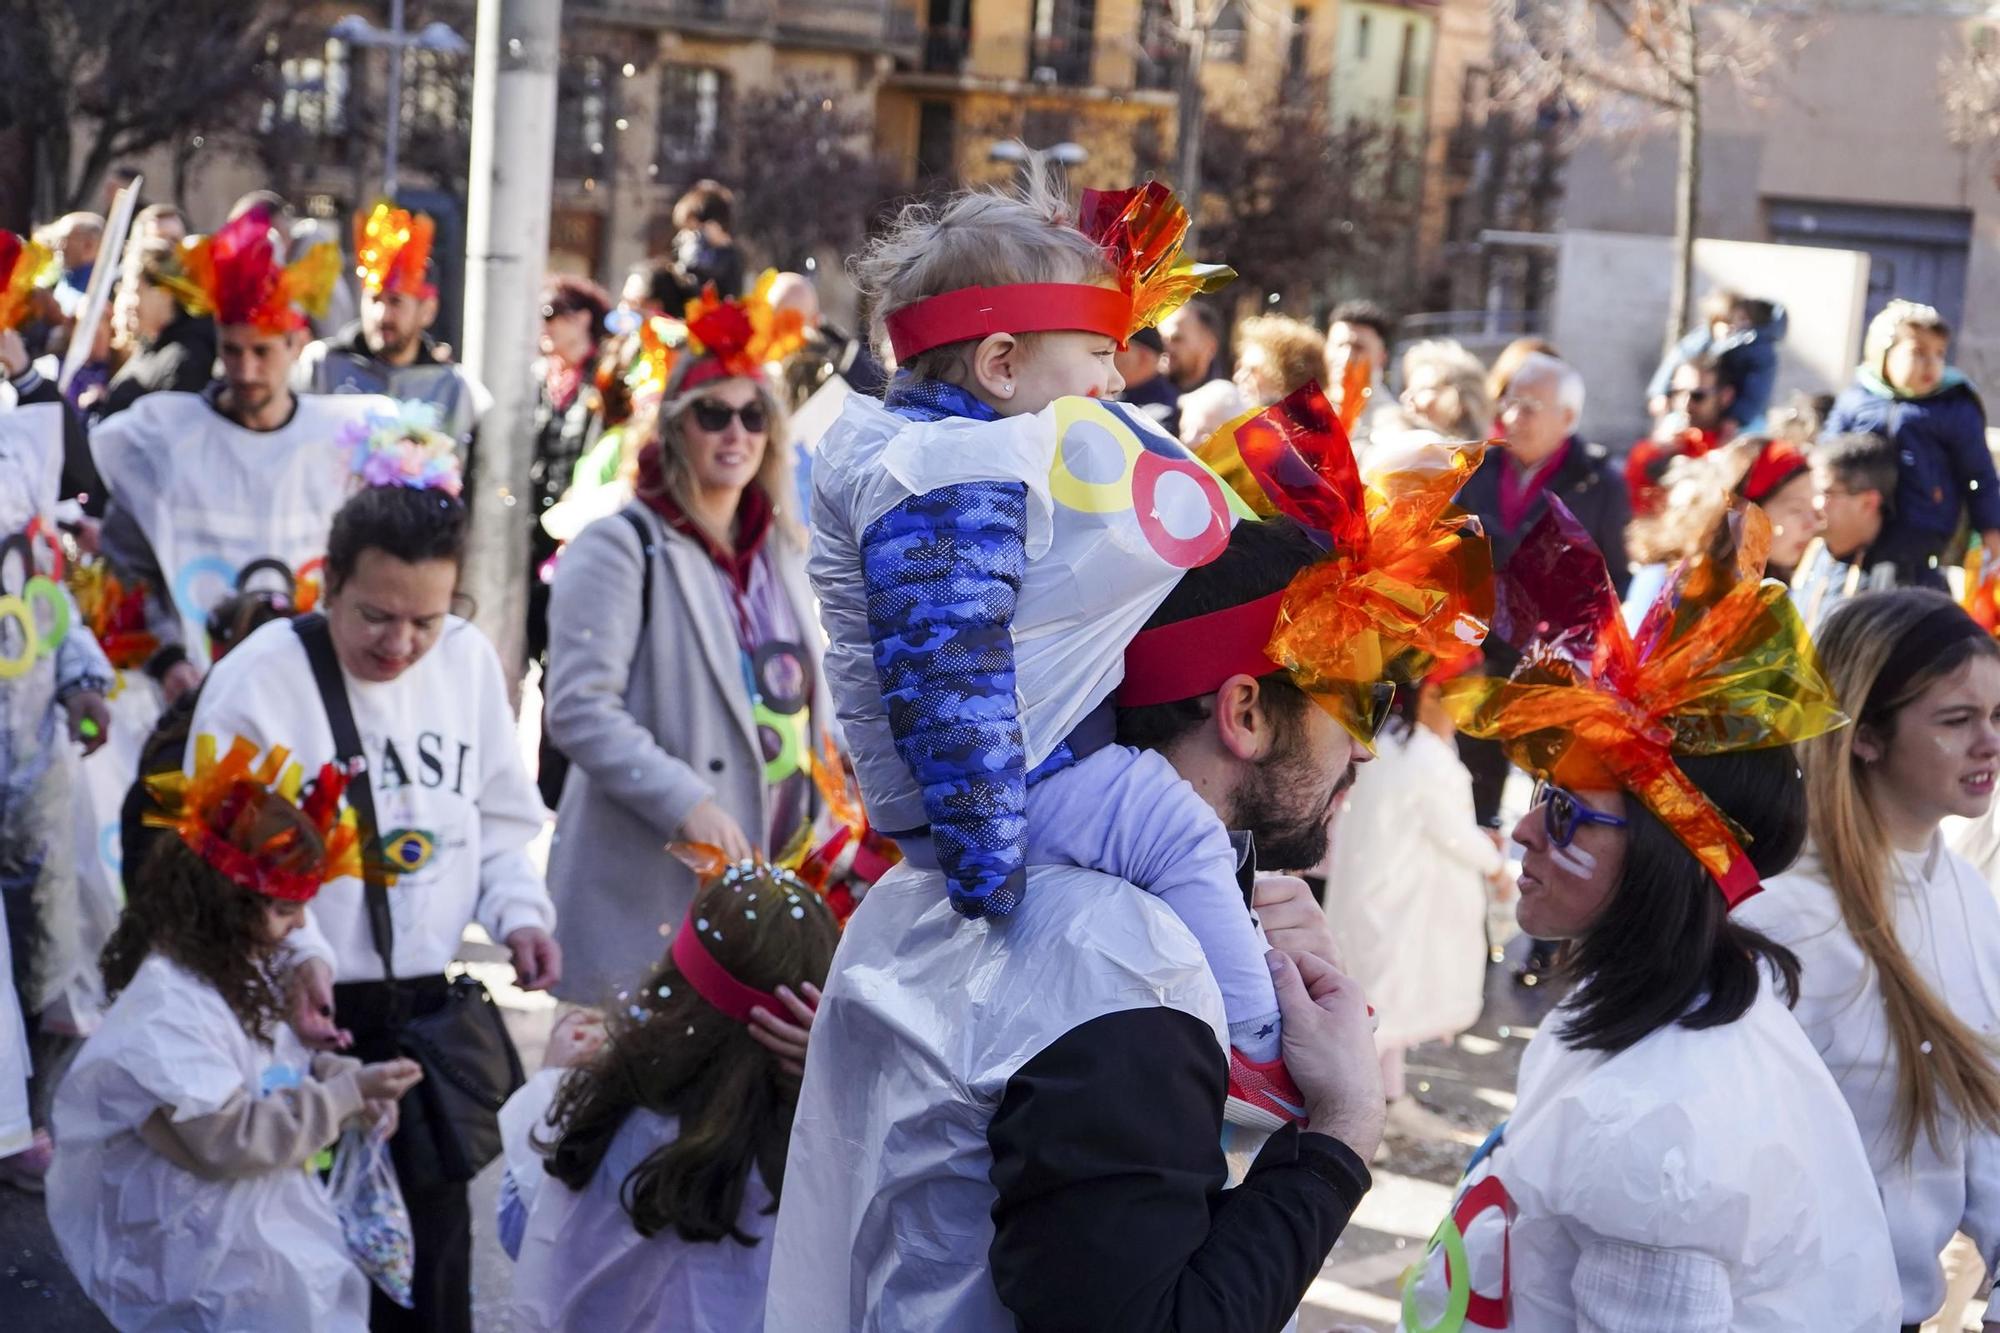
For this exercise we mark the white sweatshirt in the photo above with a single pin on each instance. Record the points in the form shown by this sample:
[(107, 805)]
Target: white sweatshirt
[(456, 805), (1948, 922)]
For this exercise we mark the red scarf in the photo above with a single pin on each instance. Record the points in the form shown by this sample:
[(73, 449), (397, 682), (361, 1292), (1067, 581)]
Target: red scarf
[(1519, 486)]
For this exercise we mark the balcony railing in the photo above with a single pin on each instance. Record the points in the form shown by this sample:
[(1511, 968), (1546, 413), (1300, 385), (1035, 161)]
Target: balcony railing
[(1060, 60), (861, 23)]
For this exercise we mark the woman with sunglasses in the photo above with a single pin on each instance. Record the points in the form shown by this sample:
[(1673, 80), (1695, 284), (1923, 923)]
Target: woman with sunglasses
[(684, 680), (1678, 1157), (1898, 937)]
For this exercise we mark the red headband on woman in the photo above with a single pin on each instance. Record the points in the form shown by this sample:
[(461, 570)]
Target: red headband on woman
[(711, 980)]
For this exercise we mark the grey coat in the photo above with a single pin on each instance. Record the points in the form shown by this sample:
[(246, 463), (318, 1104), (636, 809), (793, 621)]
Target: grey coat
[(655, 719)]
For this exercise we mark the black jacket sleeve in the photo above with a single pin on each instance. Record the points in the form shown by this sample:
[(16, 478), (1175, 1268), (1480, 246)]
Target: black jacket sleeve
[(1112, 1212)]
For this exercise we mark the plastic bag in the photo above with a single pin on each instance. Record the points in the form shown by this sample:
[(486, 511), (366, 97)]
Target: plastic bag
[(373, 1219)]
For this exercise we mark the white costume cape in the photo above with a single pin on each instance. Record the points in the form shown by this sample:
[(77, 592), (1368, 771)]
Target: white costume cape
[(886, 1221), (1696, 1181), (1117, 511), (159, 1248), (213, 499)]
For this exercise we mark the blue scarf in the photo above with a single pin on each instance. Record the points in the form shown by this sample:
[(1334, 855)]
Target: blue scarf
[(934, 400)]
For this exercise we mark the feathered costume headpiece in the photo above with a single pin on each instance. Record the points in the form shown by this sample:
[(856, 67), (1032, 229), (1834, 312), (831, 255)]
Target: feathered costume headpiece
[(1407, 579), (1722, 662), (728, 338), (392, 251), (223, 812), (235, 276), (404, 448)]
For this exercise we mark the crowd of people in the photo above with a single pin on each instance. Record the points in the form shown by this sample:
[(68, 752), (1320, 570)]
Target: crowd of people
[(1023, 775)]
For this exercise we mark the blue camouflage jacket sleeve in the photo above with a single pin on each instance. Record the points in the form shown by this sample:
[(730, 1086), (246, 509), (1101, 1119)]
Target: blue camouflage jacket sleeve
[(943, 572)]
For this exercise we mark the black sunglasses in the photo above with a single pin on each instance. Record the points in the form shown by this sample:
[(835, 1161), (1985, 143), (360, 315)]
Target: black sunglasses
[(1692, 395), (1563, 814), (713, 416)]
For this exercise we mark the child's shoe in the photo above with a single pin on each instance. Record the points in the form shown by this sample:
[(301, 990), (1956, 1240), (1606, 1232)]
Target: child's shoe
[(1262, 1096)]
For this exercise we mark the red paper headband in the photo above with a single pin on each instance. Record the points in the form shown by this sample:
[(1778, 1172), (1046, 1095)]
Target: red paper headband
[(1026, 307), (1191, 658), (1775, 465), (711, 980)]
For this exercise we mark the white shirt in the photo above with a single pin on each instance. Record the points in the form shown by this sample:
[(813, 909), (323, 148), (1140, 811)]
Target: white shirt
[(157, 1247), (1949, 925), (1697, 1181), (585, 1269), (456, 806)]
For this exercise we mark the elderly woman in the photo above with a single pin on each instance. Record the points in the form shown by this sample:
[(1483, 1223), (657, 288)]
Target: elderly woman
[(684, 680), (1444, 389)]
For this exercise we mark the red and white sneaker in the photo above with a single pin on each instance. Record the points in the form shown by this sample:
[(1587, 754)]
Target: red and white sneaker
[(1262, 1096)]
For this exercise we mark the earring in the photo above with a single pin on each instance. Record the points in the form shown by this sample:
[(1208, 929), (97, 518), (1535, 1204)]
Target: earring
[(1007, 389)]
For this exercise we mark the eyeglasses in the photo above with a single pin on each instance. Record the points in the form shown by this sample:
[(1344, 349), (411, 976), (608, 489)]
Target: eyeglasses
[(1563, 814), (1692, 395), (712, 416)]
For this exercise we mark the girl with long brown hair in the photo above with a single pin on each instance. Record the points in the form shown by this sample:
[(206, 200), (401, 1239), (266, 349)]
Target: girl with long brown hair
[(666, 1150), (1898, 938)]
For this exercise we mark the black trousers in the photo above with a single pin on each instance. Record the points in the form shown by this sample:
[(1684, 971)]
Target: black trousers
[(441, 1216)]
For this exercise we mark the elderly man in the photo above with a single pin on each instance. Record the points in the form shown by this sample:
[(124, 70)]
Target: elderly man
[(1037, 1144), (389, 350), (1543, 459)]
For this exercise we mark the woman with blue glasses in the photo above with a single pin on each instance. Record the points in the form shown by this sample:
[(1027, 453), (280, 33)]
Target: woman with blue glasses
[(1678, 1157)]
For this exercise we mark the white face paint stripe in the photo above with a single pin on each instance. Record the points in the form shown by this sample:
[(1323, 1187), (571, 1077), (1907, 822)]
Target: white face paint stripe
[(1573, 860)]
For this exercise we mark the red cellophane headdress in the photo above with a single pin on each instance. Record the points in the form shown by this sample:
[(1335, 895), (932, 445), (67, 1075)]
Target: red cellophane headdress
[(392, 250), (22, 262), (1721, 663), (236, 276), (1407, 578), (221, 811), (117, 614), (845, 865), (1141, 229), (737, 337)]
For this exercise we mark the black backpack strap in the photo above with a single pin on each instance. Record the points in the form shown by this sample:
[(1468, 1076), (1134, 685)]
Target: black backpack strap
[(631, 514), (318, 643)]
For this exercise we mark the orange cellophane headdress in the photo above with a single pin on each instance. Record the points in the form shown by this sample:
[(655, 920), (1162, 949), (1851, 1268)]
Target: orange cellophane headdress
[(853, 856), (117, 614), (392, 250), (22, 263), (1722, 662), (221, 811), (660, 345), (235, 276), (1141, 230), (1407, 579), (1981, 597), (727, 338)]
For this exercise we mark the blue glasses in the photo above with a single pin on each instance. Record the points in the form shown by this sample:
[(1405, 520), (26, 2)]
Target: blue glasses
[(1563, 814)]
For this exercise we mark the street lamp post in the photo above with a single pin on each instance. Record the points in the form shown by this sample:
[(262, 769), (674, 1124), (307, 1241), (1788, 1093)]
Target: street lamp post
[(1033, 161), (434, 36)]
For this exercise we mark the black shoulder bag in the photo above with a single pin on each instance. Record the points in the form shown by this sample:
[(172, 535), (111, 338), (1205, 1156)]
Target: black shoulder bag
[(450, 1121)]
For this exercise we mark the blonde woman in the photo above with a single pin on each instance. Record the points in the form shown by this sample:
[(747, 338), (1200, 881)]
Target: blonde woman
[(1898, 938), (1444, 389), (1276, 355), (684, 671)]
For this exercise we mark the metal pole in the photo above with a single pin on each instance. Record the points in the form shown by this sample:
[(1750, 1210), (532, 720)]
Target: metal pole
[(514, 64), (395, 99)]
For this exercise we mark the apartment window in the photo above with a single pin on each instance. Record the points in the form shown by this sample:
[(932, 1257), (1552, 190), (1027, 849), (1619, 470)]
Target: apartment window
[(1408, 77), (694, 101), (1161, 54), (583, 119), (1060, 41), (1225, 38), (937, 142), (313, 98), (437, 93)]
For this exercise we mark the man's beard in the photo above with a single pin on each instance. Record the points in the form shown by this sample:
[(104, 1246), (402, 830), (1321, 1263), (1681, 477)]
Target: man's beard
[(387, 348), (1281, 804)]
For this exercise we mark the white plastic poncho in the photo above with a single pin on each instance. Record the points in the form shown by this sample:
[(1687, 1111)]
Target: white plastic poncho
[(213, 498), (1696, 1181), (886, 1219), (159, 1248), (1406, 890), (1117, 512), (585, 1269)]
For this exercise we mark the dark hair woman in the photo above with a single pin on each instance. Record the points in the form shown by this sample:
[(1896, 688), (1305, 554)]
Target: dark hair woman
[(1899, 937), (1679, 1156), (454, 807), (667, 1149), (684, 663), (171, 347)]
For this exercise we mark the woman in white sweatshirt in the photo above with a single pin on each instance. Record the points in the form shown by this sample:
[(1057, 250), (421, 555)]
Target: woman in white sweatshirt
[(454, 806), (1898, 938)]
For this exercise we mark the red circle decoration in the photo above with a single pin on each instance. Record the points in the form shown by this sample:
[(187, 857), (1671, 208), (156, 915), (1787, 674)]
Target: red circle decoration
[(1148, 470)]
